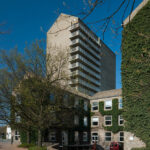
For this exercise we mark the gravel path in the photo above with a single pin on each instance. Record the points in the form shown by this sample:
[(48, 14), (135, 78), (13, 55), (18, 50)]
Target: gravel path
[(8, 146)]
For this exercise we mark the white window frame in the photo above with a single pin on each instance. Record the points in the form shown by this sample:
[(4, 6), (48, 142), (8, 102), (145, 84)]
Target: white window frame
[(121, 136), (85, 136), (95, 121), (107, 120), (105, 108), (94, 138), (95, 106), (120, 103), (108, 137), (85, 121), (119, 120)]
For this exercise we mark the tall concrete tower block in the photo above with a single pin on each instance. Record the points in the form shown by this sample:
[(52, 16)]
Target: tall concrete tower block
[(91, 64)]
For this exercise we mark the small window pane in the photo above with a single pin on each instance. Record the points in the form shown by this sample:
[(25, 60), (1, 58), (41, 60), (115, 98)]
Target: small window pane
[(120, 104), (108, 120), (85, 136), (121, 137), (108, 136), (85, 121), (121, 120), (85, 106), (76, 120), (51, 97), (108, 104), (94, 137), (95, 106), (95, 121)]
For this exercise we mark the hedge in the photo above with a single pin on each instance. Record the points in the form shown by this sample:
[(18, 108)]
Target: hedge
[(37, 148), (135, 70)]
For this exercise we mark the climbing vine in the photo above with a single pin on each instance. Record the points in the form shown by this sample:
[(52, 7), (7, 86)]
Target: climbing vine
[(136, 75), (115, 112)]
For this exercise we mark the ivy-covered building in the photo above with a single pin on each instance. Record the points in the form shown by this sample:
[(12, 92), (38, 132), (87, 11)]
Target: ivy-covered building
[(76, 131), (107, 123)]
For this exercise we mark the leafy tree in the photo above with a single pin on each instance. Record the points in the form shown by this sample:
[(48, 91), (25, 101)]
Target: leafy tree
[(28, 80)]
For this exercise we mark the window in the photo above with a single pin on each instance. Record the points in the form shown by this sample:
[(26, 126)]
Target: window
[(94, 137), (85, 136), (52, 97), (95, 121), (108, 120), (108, 105), (85, 121), (107, 136), (121, 136), (76, 120), (94, 106), (76, 102), (120, 104), (52, 136), (66, 96), (85, 105), (121, 120), (76, 136), (18, 118)]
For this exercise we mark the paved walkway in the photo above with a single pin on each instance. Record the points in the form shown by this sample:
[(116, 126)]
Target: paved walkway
[(8, 146)]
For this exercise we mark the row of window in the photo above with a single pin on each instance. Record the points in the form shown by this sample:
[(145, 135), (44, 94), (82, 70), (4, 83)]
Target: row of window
[(108, 137), (52, 136), (85, 120), (66, 101), (107, 120), (107, 105)]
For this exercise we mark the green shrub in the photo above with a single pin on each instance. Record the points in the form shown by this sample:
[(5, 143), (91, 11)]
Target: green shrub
[(25, 145), (140, 148), (37, 148)]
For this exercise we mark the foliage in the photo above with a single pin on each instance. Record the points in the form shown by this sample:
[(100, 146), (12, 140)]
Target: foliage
[(37, 148), (32, 136), (136, 75), (140, 148), (25, 145), (26, 82), (115, 112)]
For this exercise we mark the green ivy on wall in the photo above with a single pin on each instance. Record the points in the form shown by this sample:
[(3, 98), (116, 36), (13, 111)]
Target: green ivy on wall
[(115, 112), (135, 71)]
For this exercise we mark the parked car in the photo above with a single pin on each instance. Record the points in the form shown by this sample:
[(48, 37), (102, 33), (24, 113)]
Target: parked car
[(116, 146)]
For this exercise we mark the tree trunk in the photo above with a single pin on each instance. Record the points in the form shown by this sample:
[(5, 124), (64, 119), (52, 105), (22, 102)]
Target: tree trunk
[(28, 137), (39, 138)]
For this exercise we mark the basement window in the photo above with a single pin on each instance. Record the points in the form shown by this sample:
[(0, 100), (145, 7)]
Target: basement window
[(107, 136)]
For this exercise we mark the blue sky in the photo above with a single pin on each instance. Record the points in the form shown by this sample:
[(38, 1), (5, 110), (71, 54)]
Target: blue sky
[(28, 20)]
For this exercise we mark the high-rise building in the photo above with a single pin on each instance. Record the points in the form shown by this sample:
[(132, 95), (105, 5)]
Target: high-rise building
[(91, 64)]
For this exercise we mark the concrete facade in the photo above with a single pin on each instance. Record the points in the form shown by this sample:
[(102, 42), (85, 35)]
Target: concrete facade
[(90, 61), (128, 139), (108, 68)]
